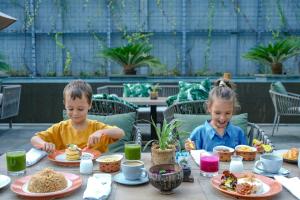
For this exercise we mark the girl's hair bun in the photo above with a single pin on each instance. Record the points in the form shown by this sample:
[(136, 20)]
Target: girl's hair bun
[(224, 83)]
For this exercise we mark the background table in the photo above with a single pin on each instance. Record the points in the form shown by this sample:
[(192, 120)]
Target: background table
[(200, 189), (153, 103)]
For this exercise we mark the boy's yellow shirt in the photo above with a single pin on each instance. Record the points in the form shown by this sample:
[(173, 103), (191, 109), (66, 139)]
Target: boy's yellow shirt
[(61, 134)]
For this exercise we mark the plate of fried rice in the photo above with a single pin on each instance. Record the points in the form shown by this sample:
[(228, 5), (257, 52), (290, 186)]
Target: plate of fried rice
[(58, 157), (46, 184)]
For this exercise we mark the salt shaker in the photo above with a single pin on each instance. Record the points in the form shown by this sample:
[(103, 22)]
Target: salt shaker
[(86, 164)]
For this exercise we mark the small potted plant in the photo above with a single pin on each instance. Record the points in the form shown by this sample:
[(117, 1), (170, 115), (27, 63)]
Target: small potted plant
[(163, 150), (274, 54), (154, 91)]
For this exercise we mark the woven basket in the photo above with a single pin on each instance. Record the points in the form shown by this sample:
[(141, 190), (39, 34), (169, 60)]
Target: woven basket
[(159, 156), (224, 156), (247, 155)]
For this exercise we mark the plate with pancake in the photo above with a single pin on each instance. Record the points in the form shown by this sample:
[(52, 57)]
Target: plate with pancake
[(59, 157), (288, 155), (21, 187), (246, 185)]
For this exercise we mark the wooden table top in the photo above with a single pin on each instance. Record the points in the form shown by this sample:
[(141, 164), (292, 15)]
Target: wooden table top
[(200, 189)]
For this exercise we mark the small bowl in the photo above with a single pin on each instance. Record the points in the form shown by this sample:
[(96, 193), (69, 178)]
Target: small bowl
[(110, 163), (168, 181), (247, 152), (224, 153)]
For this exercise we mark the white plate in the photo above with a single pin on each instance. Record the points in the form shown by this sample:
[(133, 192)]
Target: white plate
[(282, 172), (62, 157), (4, 181)]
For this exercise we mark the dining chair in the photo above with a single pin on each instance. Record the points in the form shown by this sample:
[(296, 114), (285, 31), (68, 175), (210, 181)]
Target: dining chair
[(10, 101), (285, 104)]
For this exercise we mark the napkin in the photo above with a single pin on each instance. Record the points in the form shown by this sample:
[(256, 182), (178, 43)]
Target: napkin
[(196, 155), (98, 187), (33, 156), (291, 184)]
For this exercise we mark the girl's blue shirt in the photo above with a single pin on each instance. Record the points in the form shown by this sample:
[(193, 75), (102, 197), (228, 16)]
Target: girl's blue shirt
[(206, 137)]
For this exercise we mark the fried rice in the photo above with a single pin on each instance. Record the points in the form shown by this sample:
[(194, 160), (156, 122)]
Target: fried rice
[(46, 181)]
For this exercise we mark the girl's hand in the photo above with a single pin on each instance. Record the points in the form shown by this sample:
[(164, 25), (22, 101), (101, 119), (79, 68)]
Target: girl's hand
[(189, 145), (48, 147), (94, 139)]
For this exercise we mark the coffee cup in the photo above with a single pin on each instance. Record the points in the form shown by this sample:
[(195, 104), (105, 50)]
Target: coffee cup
[(133, 170), (269, 163)]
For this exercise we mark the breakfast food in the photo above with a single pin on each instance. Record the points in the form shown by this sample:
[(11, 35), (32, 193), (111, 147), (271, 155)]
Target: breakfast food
[(73, 152), (247, 152), (190, 144), (244, 149), (245, 185), (46, 181), (110, 163), (261, 148), (224, 153), (291, 154)]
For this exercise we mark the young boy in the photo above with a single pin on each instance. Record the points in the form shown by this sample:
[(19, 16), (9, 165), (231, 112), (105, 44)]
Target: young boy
[(77, 129)]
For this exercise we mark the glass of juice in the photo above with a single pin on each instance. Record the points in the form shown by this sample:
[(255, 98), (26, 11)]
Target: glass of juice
[(16, 162), (132, 151), (209, 164)]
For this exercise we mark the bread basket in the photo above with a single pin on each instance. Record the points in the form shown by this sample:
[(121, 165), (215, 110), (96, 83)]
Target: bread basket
[(224, 153), (110, 163), (247, 152)]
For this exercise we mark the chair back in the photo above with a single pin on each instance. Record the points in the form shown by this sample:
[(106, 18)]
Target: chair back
[(109, 107), (10, 101), (187, 107), (285, 104)]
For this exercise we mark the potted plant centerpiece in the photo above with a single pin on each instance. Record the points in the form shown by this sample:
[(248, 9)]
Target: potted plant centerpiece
[(274, 54), (154, 91), (163, 150)]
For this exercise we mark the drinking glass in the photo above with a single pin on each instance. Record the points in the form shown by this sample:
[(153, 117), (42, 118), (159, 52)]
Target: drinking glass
[(209, 164), (132, 151), (16, 162)]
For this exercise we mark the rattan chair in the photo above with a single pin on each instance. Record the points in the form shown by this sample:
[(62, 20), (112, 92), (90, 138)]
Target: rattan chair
[(284, 105), (10, 102), (109, 107), (198, 107)]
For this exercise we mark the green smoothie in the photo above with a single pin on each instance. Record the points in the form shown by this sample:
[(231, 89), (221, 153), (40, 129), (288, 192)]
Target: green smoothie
[(16, 161), (132, 151)]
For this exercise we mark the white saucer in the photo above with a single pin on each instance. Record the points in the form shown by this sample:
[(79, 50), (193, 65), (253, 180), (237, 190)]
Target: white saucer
[(282, 172), (119, 178), (4, 181)]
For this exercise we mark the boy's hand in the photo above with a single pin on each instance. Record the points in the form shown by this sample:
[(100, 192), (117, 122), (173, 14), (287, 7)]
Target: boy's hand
[(94, 138), (189, 145), (48, 147)]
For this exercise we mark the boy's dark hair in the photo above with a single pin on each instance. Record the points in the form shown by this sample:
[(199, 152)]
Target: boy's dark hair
[(77, 88), (224, 89)]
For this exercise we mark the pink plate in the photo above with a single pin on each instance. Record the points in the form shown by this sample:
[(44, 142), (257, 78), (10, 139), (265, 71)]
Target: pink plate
[(62, 162), (275, 188), (18, 187)]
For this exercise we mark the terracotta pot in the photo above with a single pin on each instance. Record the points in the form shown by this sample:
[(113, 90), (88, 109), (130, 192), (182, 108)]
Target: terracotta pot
[(159, 156), (276, 68), (153, 95)]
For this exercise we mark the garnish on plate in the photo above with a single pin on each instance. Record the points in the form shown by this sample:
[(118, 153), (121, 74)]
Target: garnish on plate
[(228, 180)]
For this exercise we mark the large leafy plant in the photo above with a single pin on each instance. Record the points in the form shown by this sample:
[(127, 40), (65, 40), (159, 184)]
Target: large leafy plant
[(132, 56), (167, 134), (274, 54)]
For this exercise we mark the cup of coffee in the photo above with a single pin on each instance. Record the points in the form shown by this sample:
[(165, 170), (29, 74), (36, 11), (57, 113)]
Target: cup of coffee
[(269, 163), (133, 170)]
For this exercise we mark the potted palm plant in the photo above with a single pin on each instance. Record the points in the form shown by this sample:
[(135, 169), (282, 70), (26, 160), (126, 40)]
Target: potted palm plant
[(132, 56), (163, 150), (274, 54), (154, 91)]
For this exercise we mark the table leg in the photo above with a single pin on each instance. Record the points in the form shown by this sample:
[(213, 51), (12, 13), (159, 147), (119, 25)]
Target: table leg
[(153, 114)]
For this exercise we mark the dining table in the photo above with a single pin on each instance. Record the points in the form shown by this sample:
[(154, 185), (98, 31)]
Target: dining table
[(201, 188), (153, 103)]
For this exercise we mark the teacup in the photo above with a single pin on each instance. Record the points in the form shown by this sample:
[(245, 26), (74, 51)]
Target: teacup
[(133, 170), (269, 163)]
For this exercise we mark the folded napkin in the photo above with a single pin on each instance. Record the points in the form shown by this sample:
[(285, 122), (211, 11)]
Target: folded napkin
[(34, 155), (196, 155), (291, 184), (98, 187)]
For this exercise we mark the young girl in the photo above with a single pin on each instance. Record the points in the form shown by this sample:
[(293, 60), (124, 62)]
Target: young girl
[(221, 104), (77, 129)]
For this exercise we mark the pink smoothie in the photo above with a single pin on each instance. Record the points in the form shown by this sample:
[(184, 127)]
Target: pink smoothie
[(209, 163)]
